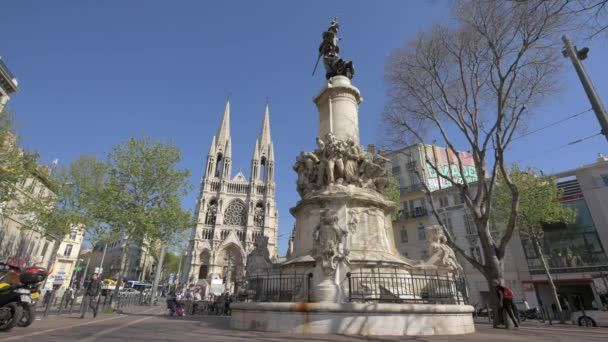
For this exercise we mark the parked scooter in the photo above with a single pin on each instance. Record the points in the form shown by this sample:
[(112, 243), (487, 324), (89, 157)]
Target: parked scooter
[(18, 294), (31, 279), (529, 314)]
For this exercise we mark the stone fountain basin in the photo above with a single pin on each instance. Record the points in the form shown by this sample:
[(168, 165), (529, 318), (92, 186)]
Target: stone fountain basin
[(365, 319)]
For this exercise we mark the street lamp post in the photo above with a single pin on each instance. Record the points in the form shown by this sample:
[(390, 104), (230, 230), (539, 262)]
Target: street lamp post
[(576, 56)]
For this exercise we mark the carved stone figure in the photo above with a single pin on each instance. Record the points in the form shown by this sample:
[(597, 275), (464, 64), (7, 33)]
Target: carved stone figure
[(341, 162), (259, 259), (442, 255), (329, 242), (329, 50), (353, 220)]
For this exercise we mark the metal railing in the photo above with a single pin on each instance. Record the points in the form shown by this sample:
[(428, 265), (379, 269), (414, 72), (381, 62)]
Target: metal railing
[(79, 301), (392, 287), (275, 287), (418, 212)]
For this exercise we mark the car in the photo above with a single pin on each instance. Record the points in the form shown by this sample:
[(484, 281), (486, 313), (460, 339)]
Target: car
[(590, 318)]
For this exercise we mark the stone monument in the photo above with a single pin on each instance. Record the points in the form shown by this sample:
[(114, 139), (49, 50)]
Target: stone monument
[(343, 227)]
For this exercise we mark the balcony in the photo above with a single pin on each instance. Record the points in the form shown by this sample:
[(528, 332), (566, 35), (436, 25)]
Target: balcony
[(412, 188), (418, 212)]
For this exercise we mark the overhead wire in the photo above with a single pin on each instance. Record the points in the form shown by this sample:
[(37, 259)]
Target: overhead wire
[(551, 124)]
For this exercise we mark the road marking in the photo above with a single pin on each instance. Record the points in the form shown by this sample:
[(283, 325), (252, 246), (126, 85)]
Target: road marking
[(66, 327), (111, 330)]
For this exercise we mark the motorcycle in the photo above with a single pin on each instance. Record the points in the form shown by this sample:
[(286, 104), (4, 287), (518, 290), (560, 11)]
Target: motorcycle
[(533, 313), (18, 297)]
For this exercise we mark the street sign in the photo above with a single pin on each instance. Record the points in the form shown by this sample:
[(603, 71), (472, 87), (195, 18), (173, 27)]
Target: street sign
[(78, 268), (98, 270)]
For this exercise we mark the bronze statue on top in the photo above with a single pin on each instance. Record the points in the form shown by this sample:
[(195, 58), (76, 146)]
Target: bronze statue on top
[(329, 50)]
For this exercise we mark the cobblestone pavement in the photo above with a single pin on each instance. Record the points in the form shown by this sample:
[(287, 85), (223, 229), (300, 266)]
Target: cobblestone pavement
[(148, 324)]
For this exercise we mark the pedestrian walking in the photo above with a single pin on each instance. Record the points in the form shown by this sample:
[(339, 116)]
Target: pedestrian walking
[(69, 297), (92, 294), (505, 302)]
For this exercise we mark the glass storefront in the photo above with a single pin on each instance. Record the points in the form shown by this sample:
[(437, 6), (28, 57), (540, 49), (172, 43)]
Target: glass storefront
[(569, 247)]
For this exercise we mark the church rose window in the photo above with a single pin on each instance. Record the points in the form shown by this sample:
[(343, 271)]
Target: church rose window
[(235, 214)]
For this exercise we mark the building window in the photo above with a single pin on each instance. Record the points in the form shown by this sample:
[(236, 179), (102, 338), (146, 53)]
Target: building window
[(68, 250), (605, 179), (73, 235), (396, 170), (447, 222), (469, 225), (46, 246), (258, 215), (404, 234), (475, 253), (235, 214), (443, 201), (421, 233), (211, 212)]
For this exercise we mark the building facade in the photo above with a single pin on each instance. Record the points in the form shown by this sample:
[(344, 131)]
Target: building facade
[(575, 252), (66, 260), (140, 261), (410, 168), (232, 211)]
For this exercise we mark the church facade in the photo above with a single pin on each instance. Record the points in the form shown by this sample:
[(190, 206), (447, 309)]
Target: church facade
[(232, 211)]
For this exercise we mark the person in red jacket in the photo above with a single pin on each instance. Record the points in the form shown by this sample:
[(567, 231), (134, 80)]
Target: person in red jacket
[(505, 302)]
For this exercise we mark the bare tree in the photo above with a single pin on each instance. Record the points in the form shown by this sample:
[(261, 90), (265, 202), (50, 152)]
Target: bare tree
[(593, 15), (474, 84)]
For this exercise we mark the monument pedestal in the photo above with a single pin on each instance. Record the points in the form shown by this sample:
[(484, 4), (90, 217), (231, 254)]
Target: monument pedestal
[(343, 237), (369, 319)]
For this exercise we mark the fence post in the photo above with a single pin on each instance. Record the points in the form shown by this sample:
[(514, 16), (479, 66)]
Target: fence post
[(455, 288), (73, 301), (62, 302), (350, 288), (308, 280), (488, 311), (48, 304), (549, 316)]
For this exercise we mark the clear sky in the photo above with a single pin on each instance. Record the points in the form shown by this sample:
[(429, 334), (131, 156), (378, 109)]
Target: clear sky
[(94, 73)]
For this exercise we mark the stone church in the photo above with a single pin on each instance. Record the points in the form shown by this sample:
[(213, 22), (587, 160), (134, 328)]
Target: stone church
[(232, 211)]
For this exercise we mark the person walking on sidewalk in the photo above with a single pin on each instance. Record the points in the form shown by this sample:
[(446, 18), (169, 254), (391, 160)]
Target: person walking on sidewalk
[(92, 294), (505, 303)]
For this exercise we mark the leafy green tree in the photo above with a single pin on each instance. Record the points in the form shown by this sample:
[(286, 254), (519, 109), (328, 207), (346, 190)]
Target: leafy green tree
[(392, 192), (170, 265), (139, 200), (15, 164), (538, 205), (172, 221), (71, 203)]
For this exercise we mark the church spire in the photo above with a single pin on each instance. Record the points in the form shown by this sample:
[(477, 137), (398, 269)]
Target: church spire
[(223, 134), (265, 130)]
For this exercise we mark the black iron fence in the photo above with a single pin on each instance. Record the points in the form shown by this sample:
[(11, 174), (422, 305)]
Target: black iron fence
[(275, 287), (74, 303), (392, 287)]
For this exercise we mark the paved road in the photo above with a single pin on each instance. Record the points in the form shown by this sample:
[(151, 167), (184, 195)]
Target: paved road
[(148, 324)]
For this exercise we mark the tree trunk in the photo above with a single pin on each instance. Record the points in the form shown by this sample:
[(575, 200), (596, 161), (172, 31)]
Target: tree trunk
[(121, 273), (161, 259), (539, 251)]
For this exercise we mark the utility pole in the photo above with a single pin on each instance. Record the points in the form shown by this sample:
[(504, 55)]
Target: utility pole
[(86, 269), (576, 56), (103, 256)]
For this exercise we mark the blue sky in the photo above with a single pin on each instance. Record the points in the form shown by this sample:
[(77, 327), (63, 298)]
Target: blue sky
[(93, 74)]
